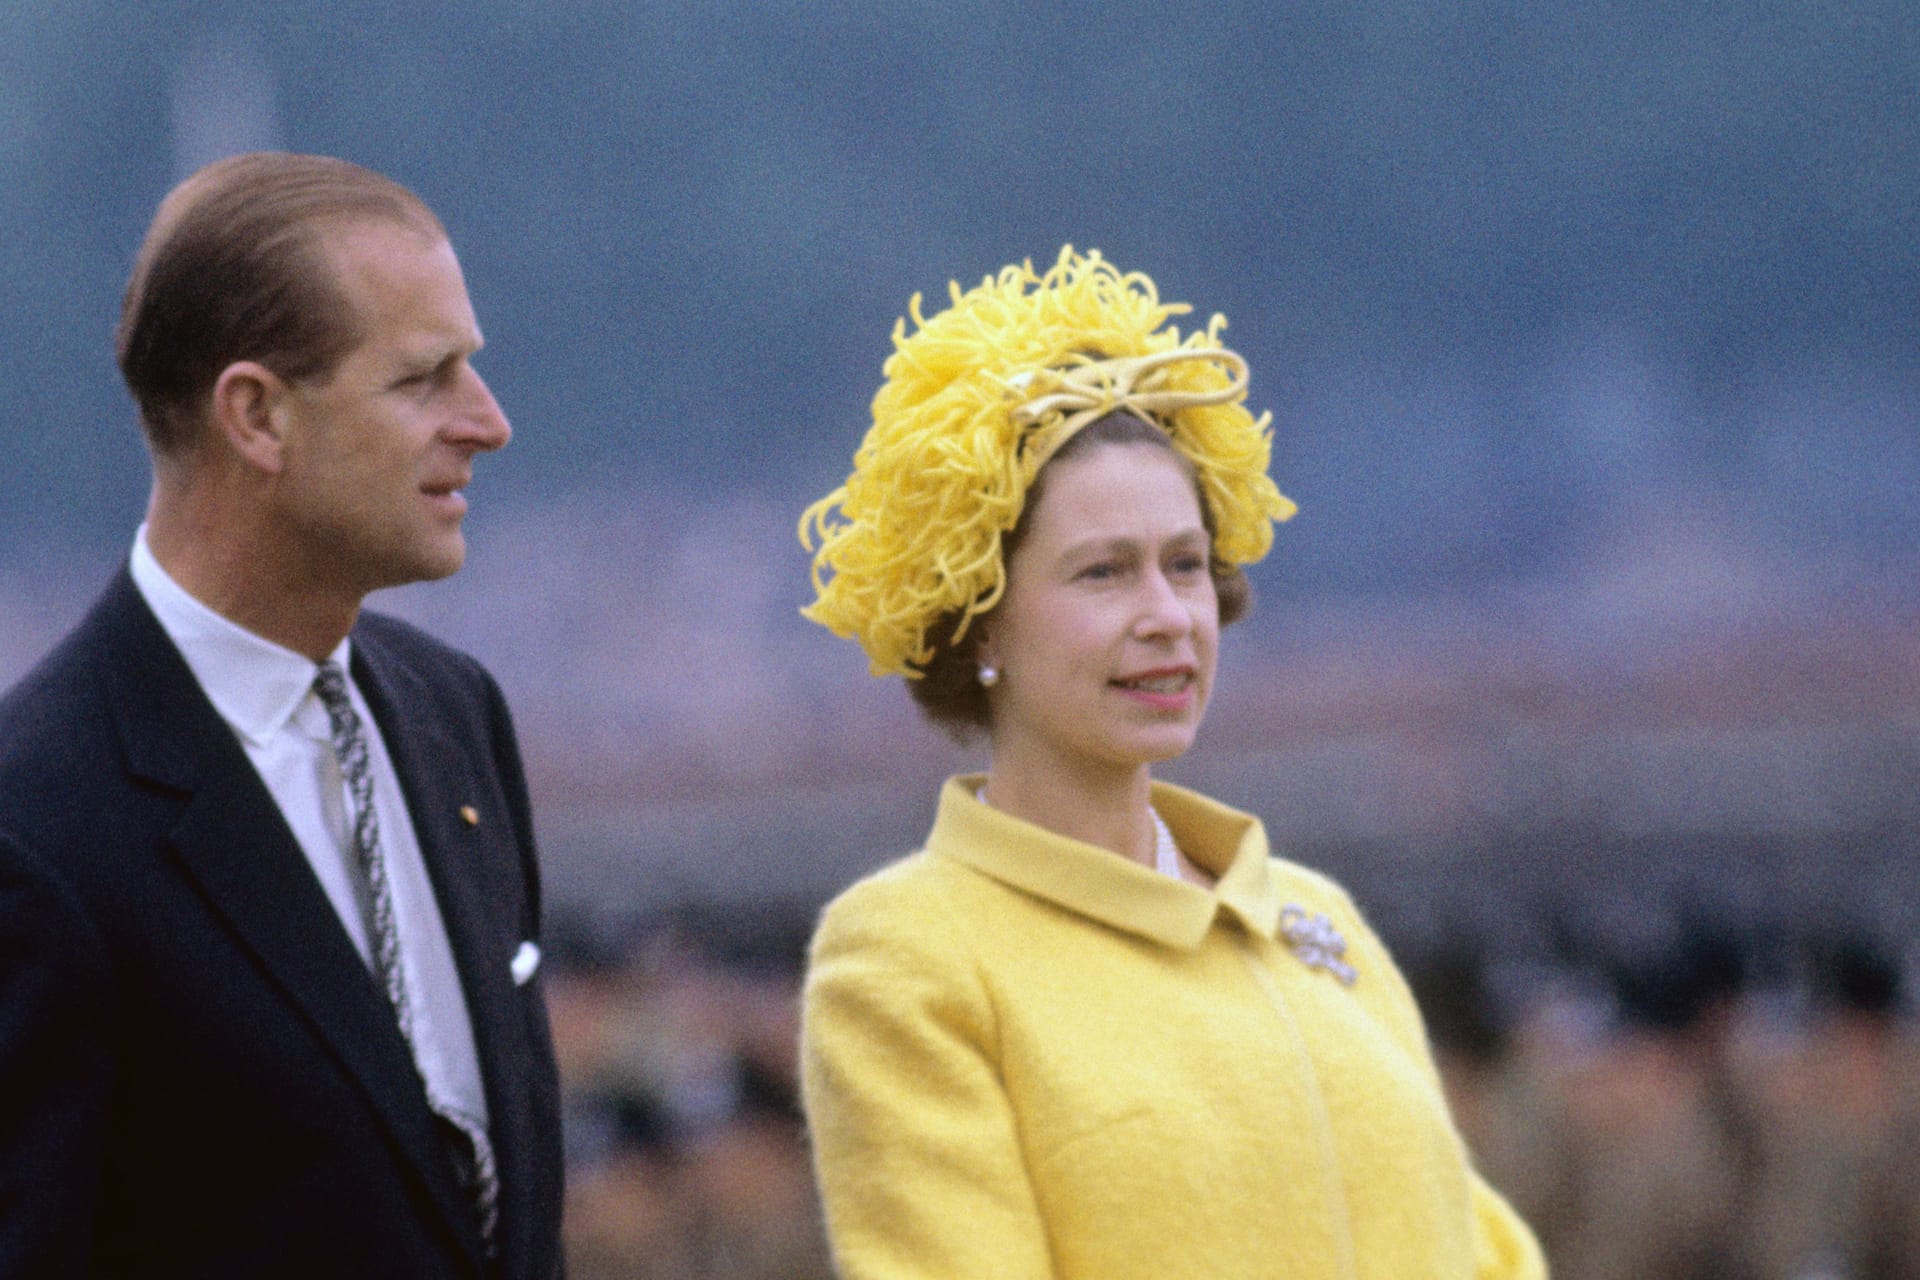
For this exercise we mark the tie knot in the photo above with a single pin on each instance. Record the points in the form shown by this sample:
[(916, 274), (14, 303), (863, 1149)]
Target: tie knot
[(330, 686), (330, 683)]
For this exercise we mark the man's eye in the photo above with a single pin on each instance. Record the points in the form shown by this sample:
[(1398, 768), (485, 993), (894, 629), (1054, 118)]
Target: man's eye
[(426, 379)]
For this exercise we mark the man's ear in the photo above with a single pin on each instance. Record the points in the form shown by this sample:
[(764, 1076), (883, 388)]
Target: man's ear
[(249, 413)]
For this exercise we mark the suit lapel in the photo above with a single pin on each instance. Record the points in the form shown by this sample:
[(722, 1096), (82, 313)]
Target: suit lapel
[(233, 842), (444, 777)]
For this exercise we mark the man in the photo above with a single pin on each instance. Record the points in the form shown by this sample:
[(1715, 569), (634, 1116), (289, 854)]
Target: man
[(268, 894)]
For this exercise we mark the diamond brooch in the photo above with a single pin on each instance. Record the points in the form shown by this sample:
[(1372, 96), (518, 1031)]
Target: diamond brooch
[(1316, 942)]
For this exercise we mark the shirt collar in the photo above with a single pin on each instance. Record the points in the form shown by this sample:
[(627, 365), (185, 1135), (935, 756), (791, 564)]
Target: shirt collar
[(255, 684), (1100, 884)]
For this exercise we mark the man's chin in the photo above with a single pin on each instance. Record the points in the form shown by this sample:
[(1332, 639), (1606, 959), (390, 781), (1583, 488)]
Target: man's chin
[(425, 565), (442, 566)]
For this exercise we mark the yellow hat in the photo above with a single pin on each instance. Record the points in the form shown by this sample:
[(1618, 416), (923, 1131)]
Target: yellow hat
[(976, 400)]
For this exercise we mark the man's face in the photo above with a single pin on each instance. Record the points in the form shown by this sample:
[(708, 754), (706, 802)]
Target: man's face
[(376, 453)]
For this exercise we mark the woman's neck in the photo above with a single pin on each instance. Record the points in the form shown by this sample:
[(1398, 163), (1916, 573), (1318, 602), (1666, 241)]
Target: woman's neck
[(1104, 808)]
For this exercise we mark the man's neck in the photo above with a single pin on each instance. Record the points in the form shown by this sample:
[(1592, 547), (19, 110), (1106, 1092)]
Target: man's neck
[(235, 573)]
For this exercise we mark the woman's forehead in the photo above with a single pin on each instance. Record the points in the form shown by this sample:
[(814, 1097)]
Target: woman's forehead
[(1115, 490)]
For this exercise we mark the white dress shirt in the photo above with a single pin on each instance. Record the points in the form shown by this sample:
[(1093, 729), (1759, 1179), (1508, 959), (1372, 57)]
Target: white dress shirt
[(265, 694)]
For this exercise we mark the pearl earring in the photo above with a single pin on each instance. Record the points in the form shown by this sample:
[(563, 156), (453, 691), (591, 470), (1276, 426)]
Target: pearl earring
[(989, 675)]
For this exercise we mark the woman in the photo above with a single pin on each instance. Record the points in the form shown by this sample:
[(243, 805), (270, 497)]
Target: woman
[(1093, 1029)]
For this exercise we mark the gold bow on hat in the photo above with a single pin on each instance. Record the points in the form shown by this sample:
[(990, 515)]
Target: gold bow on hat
[(1087, 392)]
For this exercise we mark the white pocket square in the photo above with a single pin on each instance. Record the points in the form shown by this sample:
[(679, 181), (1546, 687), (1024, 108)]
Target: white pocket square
[(525, 961)]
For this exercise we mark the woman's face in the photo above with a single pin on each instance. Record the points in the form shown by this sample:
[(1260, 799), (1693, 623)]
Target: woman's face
[(1106, 637)]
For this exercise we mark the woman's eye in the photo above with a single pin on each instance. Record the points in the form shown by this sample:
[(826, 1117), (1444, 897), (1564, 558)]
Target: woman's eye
[(1099, 572)]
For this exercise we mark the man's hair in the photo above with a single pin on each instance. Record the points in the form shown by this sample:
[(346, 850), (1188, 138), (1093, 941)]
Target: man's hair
[(234, 268), (948, 689)]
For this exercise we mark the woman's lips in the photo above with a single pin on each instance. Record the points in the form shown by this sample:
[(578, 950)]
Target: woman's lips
[(1167, 688)]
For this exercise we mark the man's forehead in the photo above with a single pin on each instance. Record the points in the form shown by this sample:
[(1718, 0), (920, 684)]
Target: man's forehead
[(361, 247), (407, 283)]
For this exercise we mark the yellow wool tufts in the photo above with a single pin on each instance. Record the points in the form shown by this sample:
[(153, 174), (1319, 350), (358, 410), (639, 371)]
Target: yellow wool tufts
[(914, 533)]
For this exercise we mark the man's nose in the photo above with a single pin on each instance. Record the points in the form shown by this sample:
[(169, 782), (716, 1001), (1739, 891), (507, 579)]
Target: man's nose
[(481, 423)]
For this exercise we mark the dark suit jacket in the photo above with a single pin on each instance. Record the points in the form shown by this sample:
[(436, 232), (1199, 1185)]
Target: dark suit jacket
[(198, 1074)]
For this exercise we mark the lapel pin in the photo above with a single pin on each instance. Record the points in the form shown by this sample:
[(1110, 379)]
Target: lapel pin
[(469, 815), (525, 961)]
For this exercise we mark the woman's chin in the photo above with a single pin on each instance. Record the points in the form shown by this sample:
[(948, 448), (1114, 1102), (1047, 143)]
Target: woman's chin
[(1159, 747)]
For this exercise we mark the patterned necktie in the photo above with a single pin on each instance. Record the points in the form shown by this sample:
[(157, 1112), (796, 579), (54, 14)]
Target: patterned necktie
[(350, 745)]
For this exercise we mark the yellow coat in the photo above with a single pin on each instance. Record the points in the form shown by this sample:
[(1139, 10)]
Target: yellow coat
[(1026, 1057)]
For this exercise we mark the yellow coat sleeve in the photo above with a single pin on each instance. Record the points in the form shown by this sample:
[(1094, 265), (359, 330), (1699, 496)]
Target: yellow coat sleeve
[(1504, 1246), (919, 1161)]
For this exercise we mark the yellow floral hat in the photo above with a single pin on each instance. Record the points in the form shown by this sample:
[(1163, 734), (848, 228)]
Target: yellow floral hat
[(976, 400)]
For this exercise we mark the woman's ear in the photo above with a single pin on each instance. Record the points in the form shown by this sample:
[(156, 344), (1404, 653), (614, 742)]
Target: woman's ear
[(249, 413), (986, 661)]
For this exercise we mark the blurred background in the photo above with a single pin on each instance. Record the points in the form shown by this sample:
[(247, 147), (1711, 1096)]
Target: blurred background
[(1590, 664)]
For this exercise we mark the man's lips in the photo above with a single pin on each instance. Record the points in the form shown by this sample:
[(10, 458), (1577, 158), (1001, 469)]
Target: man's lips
[(446, 495)]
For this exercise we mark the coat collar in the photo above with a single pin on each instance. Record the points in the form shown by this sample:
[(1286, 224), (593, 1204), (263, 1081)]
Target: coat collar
[(1099, 884), (231, 839), (438, 783)]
